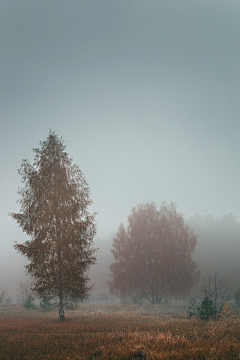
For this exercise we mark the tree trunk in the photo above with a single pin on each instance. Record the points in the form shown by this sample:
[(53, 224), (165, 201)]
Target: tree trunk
[(61, 313)]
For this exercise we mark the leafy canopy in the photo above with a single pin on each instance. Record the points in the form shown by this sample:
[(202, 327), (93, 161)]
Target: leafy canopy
[(153, 254), (54, 214)]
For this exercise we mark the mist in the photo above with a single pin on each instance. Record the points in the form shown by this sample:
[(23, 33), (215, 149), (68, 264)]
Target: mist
[(217, 250), (145, 96)]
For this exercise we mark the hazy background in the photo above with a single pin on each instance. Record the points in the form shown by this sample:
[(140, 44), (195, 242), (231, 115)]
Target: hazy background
[(145, 95)]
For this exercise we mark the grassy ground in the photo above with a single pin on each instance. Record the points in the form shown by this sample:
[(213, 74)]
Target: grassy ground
[(116, 332)]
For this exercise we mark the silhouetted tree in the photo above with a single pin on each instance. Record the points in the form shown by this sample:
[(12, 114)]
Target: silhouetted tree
[(153, 254), (25, 295), (54, 213), (5, 296), (216, 287)]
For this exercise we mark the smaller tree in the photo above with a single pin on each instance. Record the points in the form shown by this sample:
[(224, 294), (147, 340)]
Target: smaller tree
[(5, 297), (214, 293), (216, 287), (25, 295), (205, 311)]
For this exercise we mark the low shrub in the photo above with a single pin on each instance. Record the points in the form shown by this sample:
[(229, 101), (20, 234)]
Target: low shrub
[(28, 303), (206, 311)]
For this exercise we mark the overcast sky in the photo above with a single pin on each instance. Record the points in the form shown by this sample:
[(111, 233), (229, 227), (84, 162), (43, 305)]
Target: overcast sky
[(144, 93)]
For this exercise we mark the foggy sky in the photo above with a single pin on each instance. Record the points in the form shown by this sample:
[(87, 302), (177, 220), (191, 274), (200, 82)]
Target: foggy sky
[(144, 93)]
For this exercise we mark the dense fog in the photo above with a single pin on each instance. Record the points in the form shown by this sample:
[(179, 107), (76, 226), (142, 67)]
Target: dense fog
[(146, 98), (217, 249)]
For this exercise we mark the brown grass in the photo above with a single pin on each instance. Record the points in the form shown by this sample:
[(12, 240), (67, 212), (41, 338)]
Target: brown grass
[(116, 332)]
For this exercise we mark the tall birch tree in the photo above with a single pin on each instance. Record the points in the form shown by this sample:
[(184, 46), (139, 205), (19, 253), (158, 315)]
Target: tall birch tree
[(55, 215)]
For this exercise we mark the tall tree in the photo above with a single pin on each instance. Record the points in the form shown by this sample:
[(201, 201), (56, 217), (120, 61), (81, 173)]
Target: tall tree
[(153, 254), (54, 213)]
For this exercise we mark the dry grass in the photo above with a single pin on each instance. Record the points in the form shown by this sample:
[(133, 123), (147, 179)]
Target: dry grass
[(116, 332)]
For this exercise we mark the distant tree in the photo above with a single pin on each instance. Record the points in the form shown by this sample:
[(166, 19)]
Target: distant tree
[(25, 295), (54, 214), (214, 293), (5, 297), (153, 254), (215, 286)]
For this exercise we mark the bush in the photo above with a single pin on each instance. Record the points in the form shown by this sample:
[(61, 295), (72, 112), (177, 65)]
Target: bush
[(25, 295), (28, 303), (227, 312), (205, 311), (216, 288)]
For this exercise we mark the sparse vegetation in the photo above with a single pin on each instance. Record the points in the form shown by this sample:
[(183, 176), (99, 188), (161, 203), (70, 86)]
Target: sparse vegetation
[(227, 312), (29, 302), (215, 287), (5, 297), (205, 311), (214, 293), (25, 295), (117, 331)]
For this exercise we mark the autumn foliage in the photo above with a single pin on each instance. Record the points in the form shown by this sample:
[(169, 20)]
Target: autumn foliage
[(54, 214), (153, 254)]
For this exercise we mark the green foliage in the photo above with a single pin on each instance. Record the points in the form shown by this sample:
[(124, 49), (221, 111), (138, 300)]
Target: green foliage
[(191, 310), (216, 287), (237, 297), (205, 311), (46, 304), (25, 295), (29, 302)]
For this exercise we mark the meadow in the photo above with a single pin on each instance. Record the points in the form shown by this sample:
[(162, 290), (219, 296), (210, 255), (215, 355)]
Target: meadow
[(116, 331)]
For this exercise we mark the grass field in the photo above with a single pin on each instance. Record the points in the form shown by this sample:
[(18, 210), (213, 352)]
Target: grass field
[(116, 331)]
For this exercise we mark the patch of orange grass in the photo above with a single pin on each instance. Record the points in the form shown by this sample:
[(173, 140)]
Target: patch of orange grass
[(103, 334)]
